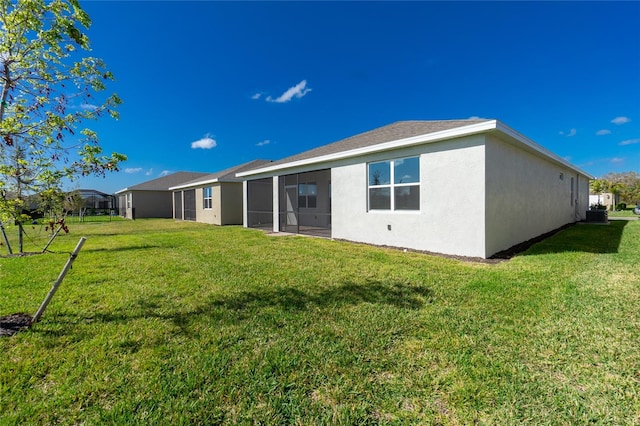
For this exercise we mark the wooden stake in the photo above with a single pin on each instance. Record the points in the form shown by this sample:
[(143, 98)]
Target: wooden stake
[(6, 240), (56, 284)]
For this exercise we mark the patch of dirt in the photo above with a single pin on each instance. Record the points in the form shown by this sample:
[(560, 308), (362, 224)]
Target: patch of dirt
[(524, 246), (11, 324)]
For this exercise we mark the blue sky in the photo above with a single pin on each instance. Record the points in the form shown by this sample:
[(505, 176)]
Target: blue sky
[(209, 85)]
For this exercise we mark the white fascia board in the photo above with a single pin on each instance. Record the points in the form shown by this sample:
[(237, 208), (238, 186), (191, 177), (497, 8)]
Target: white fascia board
[(194, 184), (385, 146), (122, 190), (508, 131)]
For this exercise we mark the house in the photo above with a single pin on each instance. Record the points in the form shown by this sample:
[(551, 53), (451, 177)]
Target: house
[(215, 198), (607, 199), (97, 200), (459, 187), (152, 198)]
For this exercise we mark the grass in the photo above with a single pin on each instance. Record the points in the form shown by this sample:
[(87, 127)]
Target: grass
[(164, 322), (628, 212)]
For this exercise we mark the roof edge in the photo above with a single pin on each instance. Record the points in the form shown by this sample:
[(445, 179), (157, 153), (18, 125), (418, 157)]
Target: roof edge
[(194, 184), (385, 146), (503, 128)]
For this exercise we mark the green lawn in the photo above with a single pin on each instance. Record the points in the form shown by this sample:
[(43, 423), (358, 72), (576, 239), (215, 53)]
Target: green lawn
[(628, 212), (163, 322)]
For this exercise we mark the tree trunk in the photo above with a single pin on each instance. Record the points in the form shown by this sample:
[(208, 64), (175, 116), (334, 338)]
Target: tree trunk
[(20, 240)]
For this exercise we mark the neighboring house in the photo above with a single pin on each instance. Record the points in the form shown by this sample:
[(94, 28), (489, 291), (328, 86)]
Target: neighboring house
[(97, 200), (214, 198), (152, 198), (607, 199), (461, 187)]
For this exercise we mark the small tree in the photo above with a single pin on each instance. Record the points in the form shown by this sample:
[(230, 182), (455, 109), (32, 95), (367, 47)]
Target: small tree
[(73, 202), (48, 90), (598, 187)]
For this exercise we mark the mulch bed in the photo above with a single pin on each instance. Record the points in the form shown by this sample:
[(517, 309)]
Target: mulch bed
[(11, 324)]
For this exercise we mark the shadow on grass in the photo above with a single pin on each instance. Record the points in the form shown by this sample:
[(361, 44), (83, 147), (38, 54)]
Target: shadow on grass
[(124, 248), (582, 237), (400, 295), (235, 307)]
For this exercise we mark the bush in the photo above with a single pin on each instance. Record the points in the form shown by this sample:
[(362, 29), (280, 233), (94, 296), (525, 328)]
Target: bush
[(621, 206)]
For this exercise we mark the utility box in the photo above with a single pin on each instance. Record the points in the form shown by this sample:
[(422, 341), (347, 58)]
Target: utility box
[(597, 216)]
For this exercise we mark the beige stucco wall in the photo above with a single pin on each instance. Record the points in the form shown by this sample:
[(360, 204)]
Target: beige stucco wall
[(226, 208), (212, 215), (451, 216), (527, 195)]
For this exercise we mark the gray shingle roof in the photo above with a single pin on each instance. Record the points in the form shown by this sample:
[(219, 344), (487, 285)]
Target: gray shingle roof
[(165, 182), (226, 175), (391, 132)]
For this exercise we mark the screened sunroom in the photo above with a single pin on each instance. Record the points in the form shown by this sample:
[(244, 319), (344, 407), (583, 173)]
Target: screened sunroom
[(260, 203), (305, 203)]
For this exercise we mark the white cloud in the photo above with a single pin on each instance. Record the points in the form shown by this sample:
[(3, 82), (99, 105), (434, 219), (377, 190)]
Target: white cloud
[(256, 96), (603, 132), (90, 107), (569, 134), (264, 142), (148, 172), (165, 173), (617, 160), (133, 169), (629, 142), (620, 120), (205, 143), (297, 91)]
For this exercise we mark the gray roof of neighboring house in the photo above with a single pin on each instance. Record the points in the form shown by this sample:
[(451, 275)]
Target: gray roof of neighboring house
[(164, 183), (391, 132), (226, 175)]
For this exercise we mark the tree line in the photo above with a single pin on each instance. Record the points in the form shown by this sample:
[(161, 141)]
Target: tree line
[(626, 185)]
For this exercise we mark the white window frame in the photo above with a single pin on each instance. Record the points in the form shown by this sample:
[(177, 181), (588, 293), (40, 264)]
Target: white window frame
[(391, 185), (207, 199)]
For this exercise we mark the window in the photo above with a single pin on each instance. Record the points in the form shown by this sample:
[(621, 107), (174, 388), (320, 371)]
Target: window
[(395, 184), (207, 199), (307, 195), (128, 198)]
